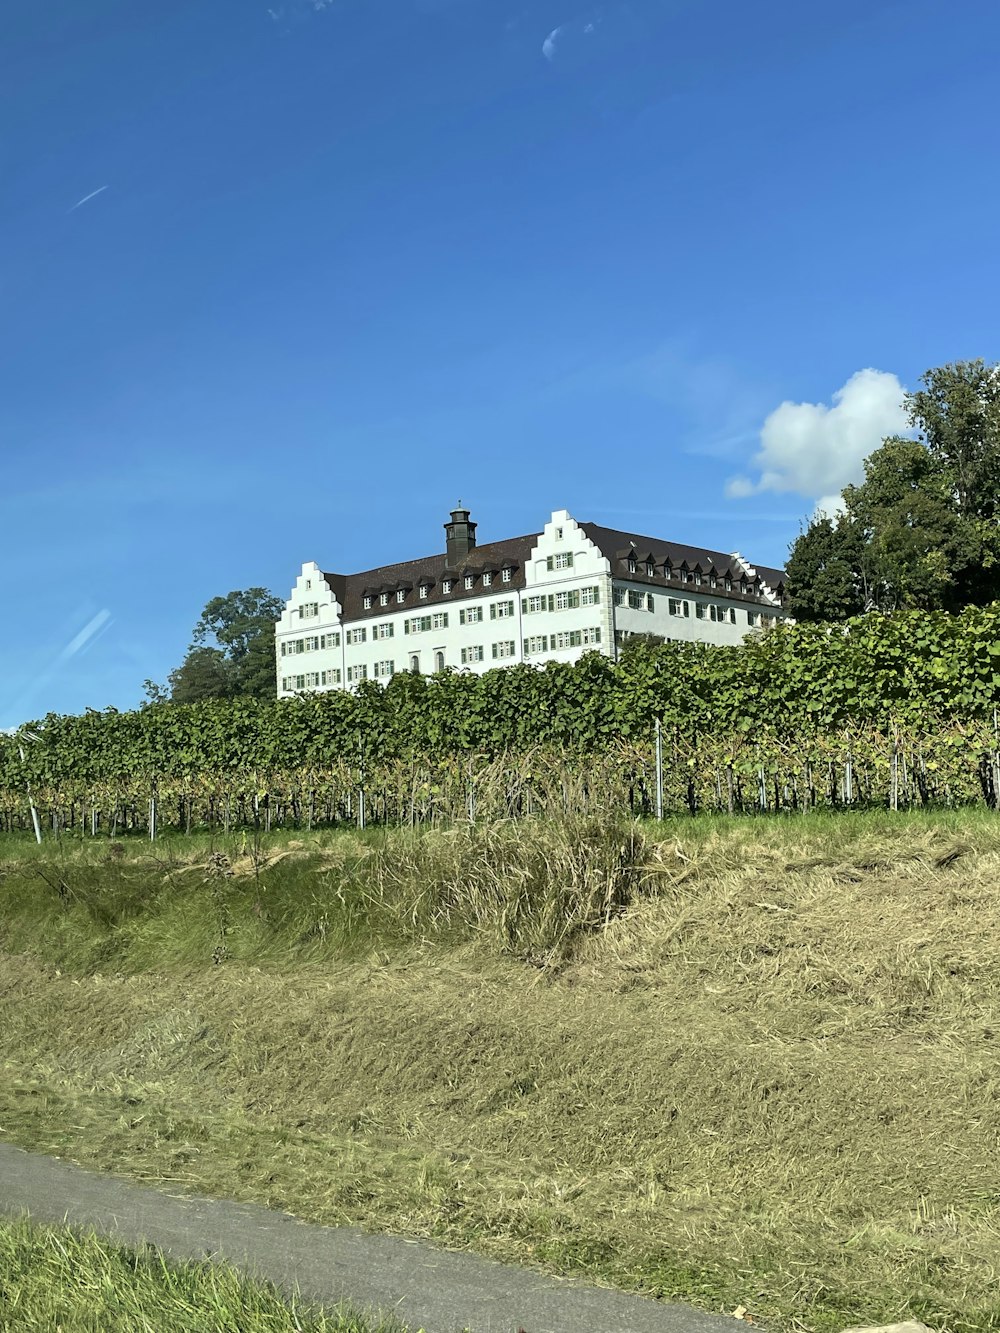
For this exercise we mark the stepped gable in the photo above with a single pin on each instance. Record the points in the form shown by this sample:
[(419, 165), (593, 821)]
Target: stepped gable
[(351, 589), (617, 546)]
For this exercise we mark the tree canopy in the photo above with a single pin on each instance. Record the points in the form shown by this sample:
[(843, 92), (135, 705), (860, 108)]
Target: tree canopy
[(231, 651), (922, 531)]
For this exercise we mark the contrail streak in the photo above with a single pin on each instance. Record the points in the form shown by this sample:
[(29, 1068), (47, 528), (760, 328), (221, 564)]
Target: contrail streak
[(93, 194)]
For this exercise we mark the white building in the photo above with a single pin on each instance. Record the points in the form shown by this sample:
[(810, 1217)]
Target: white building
[(552, 595)]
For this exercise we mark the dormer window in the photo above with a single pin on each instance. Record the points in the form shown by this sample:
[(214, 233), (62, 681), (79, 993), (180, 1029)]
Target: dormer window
[(401, 595), (383, 599), (668, 573), (697, 578), (713, 582), (487, 579), (446, 585), (368, 603), (632, 566), (423, 592), (506, 574), (470, 580), (650, 569), (729, 584), (743, 586)]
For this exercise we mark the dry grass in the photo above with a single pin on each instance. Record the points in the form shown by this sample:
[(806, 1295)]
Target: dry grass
[(751, 1064)]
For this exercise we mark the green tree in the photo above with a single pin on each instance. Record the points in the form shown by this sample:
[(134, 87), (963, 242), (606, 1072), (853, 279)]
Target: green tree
[(231, 652), (957, 412), (921, 531), (824, 571)]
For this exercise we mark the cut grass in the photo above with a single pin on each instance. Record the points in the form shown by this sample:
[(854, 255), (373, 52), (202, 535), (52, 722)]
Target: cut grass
[(59, 1278), (753, 1063)]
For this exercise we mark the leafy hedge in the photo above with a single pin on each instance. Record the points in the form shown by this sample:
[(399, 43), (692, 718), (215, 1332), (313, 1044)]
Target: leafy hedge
[(912, 670)]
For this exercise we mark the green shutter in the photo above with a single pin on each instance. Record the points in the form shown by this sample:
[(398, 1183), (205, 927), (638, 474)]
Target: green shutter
[(550, 562), (493, 611)]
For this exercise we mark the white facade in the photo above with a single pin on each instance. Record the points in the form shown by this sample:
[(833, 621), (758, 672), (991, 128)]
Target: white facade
[(551, 597)]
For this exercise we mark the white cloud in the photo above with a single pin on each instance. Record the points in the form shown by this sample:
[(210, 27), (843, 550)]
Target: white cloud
[(816, 450), (549, 45), (829, 506)]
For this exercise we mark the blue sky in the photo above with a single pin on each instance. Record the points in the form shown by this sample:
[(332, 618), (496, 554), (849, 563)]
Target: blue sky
[(350, 261)]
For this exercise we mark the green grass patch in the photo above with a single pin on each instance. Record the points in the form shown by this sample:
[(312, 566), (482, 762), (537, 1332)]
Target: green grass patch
[(746, 1061), (59, 1278)]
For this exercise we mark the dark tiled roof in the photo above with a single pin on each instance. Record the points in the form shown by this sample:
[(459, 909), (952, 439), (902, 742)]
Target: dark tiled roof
[(351, 589), (617, 546)]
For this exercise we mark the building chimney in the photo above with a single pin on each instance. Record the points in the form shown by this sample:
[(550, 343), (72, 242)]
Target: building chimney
[(461, 535)]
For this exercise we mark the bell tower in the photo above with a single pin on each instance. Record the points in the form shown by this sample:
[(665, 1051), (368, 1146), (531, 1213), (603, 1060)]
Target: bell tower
[(461, 536)]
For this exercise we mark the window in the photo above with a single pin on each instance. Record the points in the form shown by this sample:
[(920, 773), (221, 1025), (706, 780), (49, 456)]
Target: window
[(312, 679), (697, 578), (538, 643), (470, 615), (678, 608), (713, 582), (308, 609), (417, 625), (284, 683), (329, 677), (567, 601), (300, 682), (383, 599), (728, 584), (414, 662), (309, 584), (401, 595), (753, 617), (592, 635), (330, 640), (501, 610), (446, 585), (529, 605), (505, 648), (685, 576), (668, 572), (743, 586), (590, 596), (487, 579), (384, 631), (636, 600), (439, 661), (357, 635), (649, 601), (470, 580), (568, 639), (474, 654), (619, 597), (699, 610), (355, 673), (650, 568), (440, 620), (561, 560), (559, 534), (384, 668), (311, 643), (368, 603), (632, 566), (423, 592), (506, 574)]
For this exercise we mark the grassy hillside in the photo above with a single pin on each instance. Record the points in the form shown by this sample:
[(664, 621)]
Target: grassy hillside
[(743, 1062), (57, 1278)]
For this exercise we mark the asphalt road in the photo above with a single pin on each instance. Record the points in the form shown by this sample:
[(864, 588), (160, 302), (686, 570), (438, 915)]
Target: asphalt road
[(431, 1289)]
